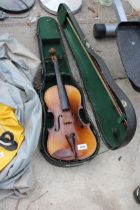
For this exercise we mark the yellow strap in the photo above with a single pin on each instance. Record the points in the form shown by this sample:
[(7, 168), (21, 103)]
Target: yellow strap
[(9, 122)]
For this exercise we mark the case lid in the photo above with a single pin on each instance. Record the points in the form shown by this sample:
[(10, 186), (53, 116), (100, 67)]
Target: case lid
[(114, 113)]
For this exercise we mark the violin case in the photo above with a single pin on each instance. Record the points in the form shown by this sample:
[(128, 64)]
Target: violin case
[(114, 113)]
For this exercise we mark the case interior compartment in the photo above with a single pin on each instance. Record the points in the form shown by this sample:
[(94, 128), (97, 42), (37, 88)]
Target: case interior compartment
[(48, 37)]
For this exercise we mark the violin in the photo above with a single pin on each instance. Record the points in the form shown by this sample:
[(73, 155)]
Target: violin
[(69, 138)]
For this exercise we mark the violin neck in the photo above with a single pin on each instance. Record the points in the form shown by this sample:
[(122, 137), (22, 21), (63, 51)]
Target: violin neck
[(61, 89)]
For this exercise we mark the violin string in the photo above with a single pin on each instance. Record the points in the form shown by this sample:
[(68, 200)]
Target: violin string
[(105, 84)]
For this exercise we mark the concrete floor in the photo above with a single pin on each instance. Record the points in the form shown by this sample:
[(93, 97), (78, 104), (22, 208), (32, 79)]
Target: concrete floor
[(105, 183)]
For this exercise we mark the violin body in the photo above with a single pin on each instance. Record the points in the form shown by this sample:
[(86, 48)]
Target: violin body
[(68, 126)]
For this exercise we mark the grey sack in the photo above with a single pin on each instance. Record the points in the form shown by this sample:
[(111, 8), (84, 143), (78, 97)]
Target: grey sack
[(18, 67)]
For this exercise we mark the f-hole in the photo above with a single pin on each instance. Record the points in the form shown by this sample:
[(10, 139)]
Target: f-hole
[(57, 126)]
